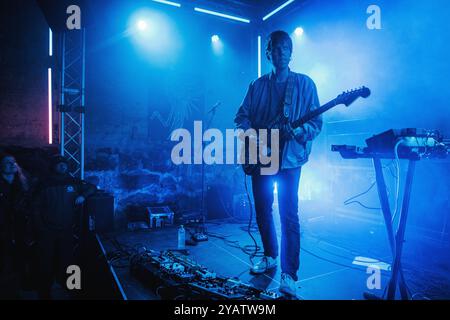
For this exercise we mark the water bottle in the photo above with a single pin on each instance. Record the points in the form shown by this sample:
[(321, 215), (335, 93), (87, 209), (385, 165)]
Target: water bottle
[(181, 237)]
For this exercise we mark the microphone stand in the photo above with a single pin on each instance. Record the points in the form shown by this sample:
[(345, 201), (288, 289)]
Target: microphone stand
[(201, 236)]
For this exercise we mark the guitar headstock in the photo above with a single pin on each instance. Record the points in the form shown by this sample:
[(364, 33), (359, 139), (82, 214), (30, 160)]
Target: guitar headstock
[(348, 97)]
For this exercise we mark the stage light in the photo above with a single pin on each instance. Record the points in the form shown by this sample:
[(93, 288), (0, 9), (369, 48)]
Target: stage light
[(50, 94), (299, 31), (217, 45), (277, 9), (170, 3), (50, 103), (142, 25), (223, 15), (50, 42), (155, 35), (259, 56)]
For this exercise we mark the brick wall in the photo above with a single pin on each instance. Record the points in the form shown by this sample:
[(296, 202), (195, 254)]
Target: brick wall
[(23, 74)]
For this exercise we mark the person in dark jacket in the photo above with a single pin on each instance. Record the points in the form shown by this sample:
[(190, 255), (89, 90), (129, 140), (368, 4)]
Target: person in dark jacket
[(57, 210), (13, 217)]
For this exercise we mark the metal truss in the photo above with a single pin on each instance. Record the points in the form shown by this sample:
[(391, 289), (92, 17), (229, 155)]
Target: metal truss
[(72, 97)]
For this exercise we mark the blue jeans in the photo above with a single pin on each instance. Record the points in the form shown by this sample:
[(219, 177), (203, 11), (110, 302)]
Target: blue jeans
[(287, 186)]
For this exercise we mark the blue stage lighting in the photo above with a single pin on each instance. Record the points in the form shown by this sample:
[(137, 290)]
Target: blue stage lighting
[(223, 15), (155, 36), (215, 38), (259, 56), (217, 45), (170, 3), (299, 31), (277, 9), (50, 42), (142, 25)]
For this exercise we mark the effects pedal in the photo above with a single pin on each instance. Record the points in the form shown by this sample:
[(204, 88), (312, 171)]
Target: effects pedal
[(200, 237)]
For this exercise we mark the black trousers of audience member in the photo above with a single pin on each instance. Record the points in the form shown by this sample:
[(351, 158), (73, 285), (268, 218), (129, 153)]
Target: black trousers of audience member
[(21, 250), (9, 278), (287, 189), (55, 254)]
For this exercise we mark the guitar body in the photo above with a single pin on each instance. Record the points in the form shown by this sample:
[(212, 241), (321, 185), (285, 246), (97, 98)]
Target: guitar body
[(253, 169)]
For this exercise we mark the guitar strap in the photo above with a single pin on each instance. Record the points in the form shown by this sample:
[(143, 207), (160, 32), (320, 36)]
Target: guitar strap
[(288, 95), (287, 105), (283, 115)]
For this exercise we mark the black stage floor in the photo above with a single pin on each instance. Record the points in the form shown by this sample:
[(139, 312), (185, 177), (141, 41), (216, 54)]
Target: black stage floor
[(331, 245)]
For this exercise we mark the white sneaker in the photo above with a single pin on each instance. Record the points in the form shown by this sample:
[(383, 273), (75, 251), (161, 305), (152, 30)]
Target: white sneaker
[(287, 285), (264, 265)]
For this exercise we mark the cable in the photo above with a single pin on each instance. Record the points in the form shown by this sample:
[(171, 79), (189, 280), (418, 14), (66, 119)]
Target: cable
[(397, 189), (121, 257), (253, 250), (255, 246), (247, 249), (362, 205), (253, 228), (390, 169), (330, 261), (349, 201)]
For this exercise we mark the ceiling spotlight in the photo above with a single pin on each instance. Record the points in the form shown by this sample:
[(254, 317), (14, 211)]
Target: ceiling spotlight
[(215, 38), (142, 25), (299, 31)]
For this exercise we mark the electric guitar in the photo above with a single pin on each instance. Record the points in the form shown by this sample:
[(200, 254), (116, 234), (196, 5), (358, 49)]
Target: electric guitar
[(345, 98)]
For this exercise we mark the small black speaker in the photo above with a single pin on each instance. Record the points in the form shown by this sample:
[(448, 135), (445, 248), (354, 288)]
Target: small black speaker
[(100, 212)]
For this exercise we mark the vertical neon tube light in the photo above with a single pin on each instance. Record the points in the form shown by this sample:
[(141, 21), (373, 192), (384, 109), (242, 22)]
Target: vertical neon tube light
[(50, 42), (50, 116), (259, 56), (50, 120)]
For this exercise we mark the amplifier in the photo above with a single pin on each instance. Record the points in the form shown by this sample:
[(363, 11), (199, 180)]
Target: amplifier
[(158, 217), (100, 212)]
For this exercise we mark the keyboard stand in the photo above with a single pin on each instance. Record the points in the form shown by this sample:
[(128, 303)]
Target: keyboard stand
[(395, 240)]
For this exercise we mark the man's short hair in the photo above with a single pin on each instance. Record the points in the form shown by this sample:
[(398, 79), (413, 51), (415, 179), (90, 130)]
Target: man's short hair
[(4, 155), (276, 37)]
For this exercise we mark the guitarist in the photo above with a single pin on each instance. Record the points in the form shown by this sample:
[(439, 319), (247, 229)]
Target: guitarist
[(265, 99)]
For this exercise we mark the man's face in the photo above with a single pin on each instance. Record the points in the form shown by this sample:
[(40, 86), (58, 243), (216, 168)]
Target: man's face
[(61, 168), (8, 165), (280, 54)]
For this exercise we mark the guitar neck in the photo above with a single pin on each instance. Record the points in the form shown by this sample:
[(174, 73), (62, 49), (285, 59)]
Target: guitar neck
[(314, 113)]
